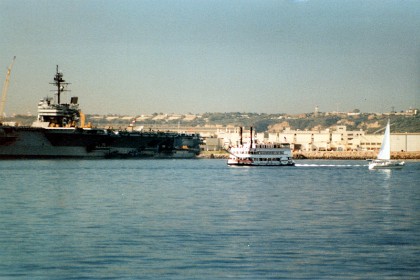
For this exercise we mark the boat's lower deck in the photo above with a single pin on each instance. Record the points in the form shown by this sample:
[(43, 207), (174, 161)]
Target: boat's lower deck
[(260, 162)]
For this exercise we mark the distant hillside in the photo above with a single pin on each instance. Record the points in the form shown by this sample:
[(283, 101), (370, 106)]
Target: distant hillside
[(368, 123), (261, 122)]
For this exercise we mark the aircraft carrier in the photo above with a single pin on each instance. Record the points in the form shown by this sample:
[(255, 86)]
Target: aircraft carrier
[(60, 132)]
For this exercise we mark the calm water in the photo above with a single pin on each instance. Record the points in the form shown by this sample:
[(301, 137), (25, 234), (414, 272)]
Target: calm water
[(199, 219)]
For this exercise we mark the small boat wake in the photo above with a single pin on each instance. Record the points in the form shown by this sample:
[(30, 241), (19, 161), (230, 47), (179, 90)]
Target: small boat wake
[(329, 165)]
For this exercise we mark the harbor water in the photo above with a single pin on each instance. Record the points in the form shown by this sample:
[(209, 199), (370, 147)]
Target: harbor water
[(200, 219)]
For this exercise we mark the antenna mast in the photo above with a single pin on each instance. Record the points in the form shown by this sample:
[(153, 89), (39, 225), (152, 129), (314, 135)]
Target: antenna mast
[(59, 82)]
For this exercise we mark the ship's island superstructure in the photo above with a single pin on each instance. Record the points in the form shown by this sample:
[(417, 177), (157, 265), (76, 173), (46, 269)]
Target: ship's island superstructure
[(60, 132)]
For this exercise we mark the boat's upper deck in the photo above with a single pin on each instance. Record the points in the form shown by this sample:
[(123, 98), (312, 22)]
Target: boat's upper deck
[(263, 146)]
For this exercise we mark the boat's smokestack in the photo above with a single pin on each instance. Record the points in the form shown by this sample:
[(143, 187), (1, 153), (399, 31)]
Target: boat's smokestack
[(240, 135), (250, 132)]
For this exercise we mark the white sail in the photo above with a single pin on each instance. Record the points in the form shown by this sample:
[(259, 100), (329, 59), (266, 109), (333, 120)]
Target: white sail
[(385, 151)]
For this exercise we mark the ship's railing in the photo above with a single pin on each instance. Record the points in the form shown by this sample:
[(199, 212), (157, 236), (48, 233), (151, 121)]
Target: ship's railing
[(265, 146), (257, 152), (271, 146)]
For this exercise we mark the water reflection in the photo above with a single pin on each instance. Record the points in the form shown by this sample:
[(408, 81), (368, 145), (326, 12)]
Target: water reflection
[(385, 175)]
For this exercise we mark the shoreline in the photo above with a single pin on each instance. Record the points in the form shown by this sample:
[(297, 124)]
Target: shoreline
[(349, 155), (353, 155)]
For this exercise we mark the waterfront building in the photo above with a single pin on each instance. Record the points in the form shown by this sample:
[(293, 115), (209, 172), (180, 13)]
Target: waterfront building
[(336, 138), (406, 142)]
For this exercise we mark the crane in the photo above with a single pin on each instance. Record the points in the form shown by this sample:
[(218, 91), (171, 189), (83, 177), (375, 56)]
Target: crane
[(5, 88)]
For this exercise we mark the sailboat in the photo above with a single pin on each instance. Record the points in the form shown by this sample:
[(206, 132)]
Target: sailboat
[(383, 160)]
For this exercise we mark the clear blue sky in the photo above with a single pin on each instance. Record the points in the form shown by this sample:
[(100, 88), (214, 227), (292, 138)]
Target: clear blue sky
[(180, 56)]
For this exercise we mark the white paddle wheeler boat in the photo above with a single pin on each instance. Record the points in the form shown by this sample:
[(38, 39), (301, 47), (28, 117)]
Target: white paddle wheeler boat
[(260, 154)]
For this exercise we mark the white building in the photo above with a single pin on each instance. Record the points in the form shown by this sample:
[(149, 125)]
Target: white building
[(407, 142), (337, 138)]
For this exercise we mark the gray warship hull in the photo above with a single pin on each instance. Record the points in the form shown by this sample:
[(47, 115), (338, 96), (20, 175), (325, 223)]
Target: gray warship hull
[(30, 142)]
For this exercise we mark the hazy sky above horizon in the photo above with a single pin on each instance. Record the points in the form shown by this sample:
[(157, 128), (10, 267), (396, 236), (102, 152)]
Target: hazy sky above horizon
[(181, 56)]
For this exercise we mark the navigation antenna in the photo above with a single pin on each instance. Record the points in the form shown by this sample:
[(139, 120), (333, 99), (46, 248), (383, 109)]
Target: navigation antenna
[(60, 83)]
